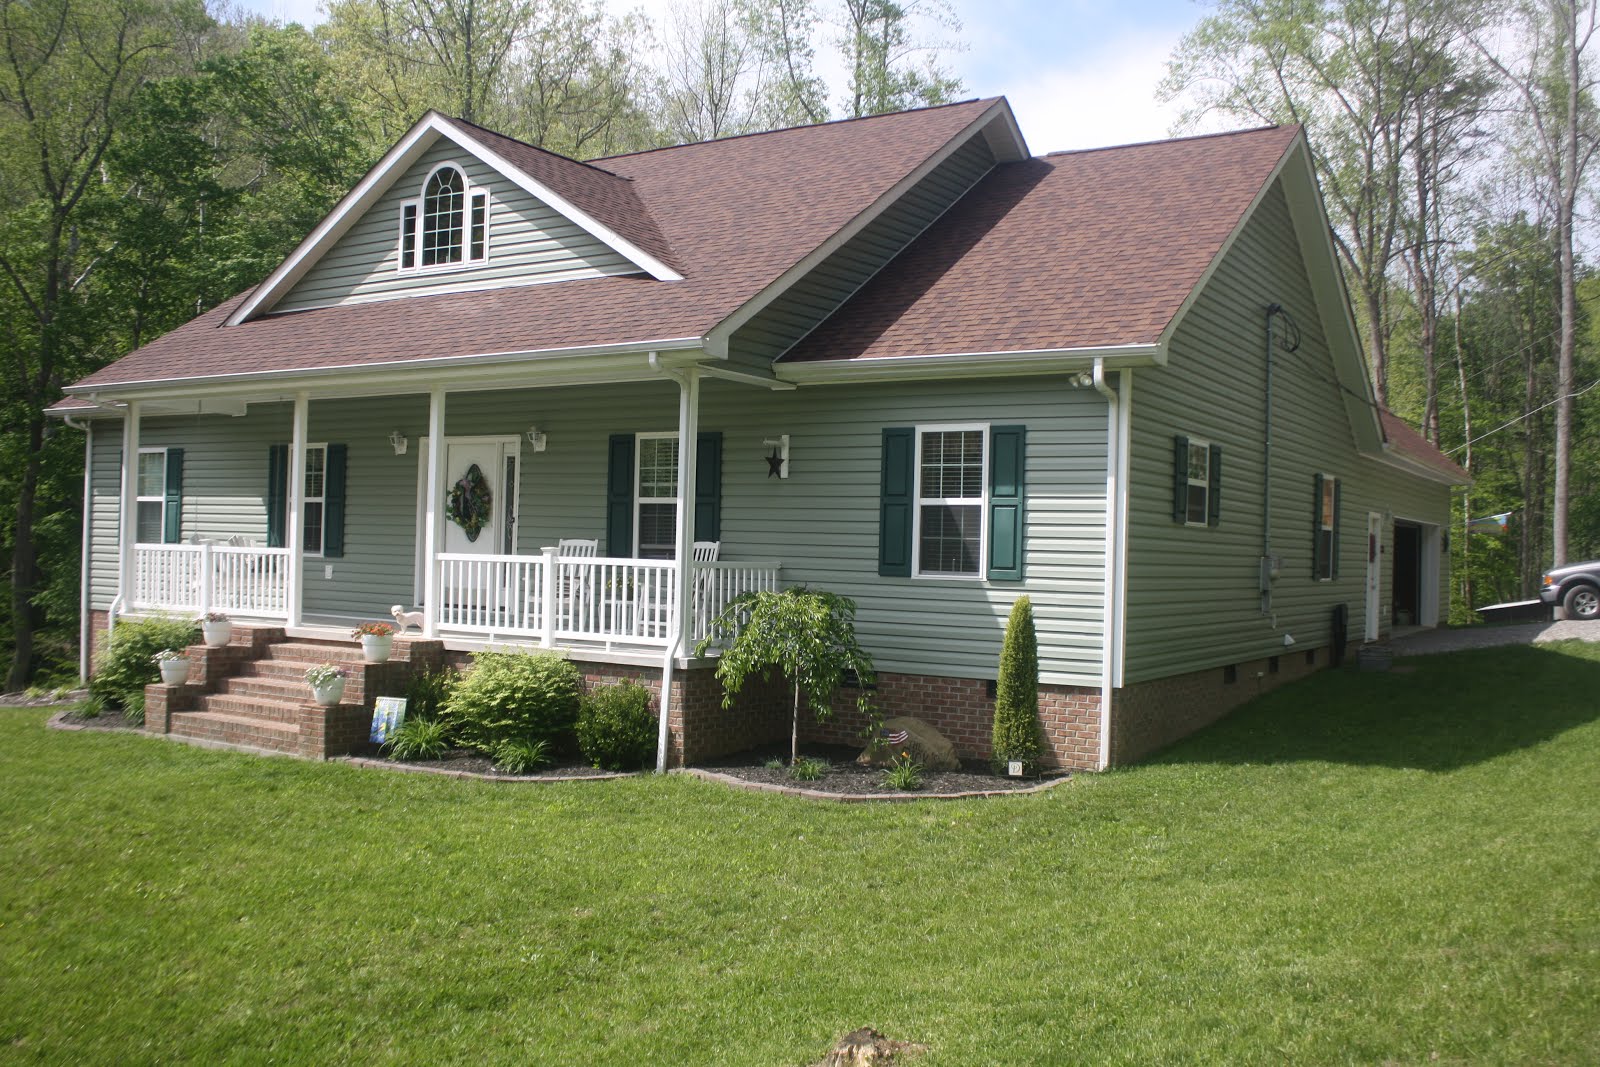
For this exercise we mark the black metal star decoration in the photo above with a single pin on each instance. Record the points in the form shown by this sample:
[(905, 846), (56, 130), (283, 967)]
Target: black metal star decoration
[(775, 464)]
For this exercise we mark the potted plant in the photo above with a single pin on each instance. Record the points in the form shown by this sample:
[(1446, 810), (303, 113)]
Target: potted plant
[(327, 683), (216, 627), (377, 639), (174, 664)]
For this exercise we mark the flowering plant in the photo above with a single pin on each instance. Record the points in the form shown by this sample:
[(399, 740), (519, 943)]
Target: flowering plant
[(373, 629), (167, 654), (213, 616), (323, 674)]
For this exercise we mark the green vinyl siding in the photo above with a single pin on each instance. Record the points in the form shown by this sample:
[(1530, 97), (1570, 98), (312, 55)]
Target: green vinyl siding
[(813, 298), (528, 242), (1193, 591)]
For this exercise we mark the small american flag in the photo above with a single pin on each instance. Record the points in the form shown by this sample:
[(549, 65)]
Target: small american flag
[(896, 737)]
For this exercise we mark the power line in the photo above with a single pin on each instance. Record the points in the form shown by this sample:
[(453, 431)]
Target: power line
[(1524, 415)]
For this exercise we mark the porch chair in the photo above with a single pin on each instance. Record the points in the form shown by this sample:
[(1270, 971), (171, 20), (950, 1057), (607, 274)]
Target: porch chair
[(578, 546), (704, 581), (572, 591)]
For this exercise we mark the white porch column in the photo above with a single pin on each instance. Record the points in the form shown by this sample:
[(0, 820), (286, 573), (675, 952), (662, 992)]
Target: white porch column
[(433, 532), (294, 518), (128, 524), (688, 441)]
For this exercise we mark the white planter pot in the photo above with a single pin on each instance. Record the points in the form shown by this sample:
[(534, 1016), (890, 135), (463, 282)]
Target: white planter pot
[(217, 634), (174, 671), (330, 694), (376, 649)]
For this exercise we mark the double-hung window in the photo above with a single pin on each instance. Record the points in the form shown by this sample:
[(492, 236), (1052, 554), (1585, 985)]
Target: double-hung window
[(152, 496), (952, 498), (316, 497), (656, 496), (1325, 529), (1196, 481), (447, 226)]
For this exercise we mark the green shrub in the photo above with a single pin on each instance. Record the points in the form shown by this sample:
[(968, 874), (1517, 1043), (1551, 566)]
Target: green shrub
[(1016, 701), (616, 728), (903, 774), (428, 692), (808, 769), (419, 739), (133, 709), (513, 696), (92, 706), (127, 665), (521, 756)]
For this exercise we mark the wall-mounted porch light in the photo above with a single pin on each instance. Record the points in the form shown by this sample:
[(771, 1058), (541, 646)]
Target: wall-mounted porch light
[(778, 462), (537, 438), (398, 441)]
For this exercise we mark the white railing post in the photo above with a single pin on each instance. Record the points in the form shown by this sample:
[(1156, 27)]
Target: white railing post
[(205, 579), (547, 598), (294, 517)]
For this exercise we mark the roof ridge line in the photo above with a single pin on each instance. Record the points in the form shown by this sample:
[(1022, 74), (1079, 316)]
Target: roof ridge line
[(1170, 140), (802, 126)]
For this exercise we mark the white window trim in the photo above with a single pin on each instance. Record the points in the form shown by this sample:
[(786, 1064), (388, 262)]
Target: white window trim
[(160, 499), (321, 499), (918, 501), (469, 193), (1205, 518), (638, 451), (1330, 483)]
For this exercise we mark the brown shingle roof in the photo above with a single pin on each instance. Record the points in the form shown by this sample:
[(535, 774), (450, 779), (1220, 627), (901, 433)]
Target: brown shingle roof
[(735, 213), (1071, 250), (1418, 449)]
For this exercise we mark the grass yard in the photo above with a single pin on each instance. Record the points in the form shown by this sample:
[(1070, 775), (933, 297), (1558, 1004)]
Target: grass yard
[(1399, 868)]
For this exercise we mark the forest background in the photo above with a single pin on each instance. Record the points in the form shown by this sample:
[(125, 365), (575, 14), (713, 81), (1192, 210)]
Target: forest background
[(159, 156)]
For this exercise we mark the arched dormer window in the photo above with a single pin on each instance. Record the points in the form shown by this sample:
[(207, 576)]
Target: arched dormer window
[(447, 226)]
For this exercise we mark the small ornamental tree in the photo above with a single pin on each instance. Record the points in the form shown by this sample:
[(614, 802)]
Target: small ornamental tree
[(1016, 697), (810, 637)]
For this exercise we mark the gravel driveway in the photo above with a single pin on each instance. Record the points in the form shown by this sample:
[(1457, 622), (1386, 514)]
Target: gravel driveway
[(1430, 641)]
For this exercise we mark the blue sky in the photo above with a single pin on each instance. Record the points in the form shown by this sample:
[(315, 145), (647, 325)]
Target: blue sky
[(1078, 74)]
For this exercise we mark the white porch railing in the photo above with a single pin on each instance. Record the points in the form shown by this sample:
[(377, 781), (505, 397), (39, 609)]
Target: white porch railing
[(201, 578), (584, 598)]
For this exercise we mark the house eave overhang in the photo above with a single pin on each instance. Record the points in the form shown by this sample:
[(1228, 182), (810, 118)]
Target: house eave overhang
[(593, 364), (970, 364), (1393, 458), (382, 176)]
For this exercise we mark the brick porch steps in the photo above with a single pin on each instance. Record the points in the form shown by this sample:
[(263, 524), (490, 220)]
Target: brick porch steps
[(243, 730)]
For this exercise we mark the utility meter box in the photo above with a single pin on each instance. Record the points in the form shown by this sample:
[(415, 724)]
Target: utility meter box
[(1271, 567)]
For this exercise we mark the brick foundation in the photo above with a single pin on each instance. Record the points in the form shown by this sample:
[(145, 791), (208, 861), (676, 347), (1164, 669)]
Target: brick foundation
[(1150, 715)]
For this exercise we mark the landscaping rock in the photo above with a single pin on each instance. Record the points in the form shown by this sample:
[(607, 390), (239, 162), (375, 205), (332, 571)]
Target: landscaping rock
[(927, 746), (867, 1048)]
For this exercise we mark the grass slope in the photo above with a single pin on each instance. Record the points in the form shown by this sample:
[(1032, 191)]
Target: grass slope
[(1358, 868)]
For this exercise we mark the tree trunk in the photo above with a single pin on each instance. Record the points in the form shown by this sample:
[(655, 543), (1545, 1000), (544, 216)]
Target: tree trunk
[(1377, 355), (24, 563), (794, 729)]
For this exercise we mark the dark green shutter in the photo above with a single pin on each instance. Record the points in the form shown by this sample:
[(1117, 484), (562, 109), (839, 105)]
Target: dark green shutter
[(1214, 488), (1335, 537), (1317, 570), (708, 487), (333, 482), (1180, 478), (1007, 492), (896, 499), (277, 495), (619, 496), (172, 511)]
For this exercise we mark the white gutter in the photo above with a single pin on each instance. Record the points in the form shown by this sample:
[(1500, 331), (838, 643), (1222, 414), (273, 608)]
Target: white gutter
[(83, 564), (970, 364), (1115, 539)]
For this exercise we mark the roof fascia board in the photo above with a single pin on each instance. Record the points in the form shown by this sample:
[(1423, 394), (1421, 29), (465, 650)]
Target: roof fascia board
[(969, 364), (722, 331), (658, 270), (376, 378), (334, 225)]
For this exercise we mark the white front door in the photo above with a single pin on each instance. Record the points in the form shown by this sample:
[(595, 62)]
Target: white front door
[(489, 462), (1374, 572)]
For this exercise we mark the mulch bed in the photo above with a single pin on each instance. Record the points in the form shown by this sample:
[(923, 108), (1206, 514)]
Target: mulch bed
[(846, 778), (468, 764)]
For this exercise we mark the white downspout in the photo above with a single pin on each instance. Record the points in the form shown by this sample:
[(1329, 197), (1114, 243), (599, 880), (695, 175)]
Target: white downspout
[(1111, 614), (127, 529), (84, 561), (688, 437)]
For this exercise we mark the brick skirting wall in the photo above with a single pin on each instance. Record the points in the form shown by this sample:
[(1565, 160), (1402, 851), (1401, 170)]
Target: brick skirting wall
[(1150, 715)]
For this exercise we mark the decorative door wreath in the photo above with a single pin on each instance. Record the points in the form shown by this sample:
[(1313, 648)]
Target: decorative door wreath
[(469, 502)]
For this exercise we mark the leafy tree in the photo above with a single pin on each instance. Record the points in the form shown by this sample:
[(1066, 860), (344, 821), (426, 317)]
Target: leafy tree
[(893, 64), (1016, 700), (808, 637)]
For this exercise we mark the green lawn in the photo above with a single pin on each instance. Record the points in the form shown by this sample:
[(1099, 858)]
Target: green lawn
[(1399, 868)]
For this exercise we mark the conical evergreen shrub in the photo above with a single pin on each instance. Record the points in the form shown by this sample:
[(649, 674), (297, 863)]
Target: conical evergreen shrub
[(1016, 701)]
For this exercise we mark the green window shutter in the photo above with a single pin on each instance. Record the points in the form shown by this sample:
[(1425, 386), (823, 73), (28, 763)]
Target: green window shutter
[(708, 487), (897, 489), (1335, 537), (1316, 528), (1214, 488), (1007, 495), (172, 511), (277, 495), (333, 483), (619, 496), (1180, 478)]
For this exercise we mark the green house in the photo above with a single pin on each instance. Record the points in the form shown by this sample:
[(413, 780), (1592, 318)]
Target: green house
[(578, 405)]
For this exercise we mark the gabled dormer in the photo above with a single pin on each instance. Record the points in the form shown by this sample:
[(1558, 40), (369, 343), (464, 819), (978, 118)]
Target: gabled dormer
[(454, 208)]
